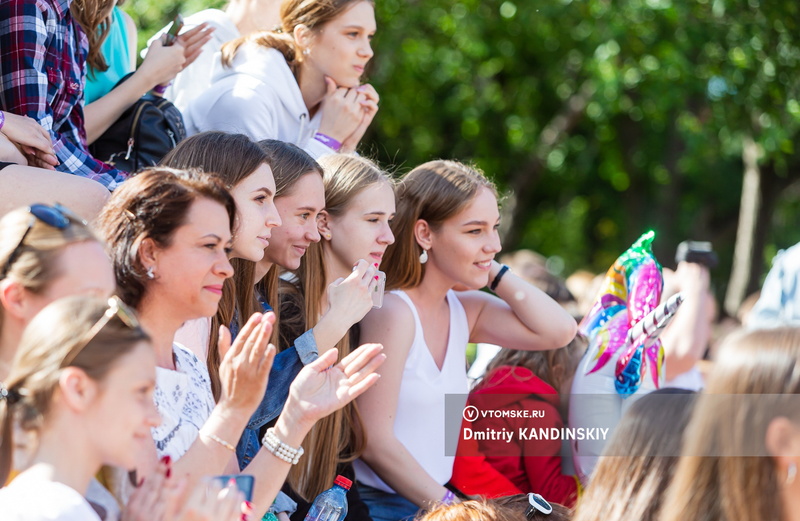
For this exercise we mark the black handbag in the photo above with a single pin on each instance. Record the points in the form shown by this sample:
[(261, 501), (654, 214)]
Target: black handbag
[(142, 136)]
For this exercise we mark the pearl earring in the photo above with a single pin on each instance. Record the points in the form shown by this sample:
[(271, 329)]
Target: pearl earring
[(423, 257), (150, 273), (306, 51)]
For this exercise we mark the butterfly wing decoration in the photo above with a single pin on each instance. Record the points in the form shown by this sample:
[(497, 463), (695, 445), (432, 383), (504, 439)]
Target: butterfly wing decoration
[(626, 319)]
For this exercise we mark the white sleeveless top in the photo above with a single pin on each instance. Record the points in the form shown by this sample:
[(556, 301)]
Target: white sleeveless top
[(419, 421)]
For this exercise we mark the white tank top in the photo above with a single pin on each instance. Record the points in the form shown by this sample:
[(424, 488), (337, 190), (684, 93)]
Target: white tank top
[(419, 421)]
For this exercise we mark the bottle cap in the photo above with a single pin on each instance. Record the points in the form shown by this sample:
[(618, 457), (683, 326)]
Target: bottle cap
[(343, 482)]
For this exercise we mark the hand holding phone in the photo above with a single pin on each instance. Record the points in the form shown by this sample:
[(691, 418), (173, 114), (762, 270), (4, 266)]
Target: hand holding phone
[(174, 30), (378, 290)]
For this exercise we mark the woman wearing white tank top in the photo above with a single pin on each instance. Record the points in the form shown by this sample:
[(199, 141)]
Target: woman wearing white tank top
[(445, 237)]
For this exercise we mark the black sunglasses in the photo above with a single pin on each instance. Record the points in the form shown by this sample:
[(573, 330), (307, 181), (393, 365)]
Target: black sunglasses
[(537, 503), (56, 216)]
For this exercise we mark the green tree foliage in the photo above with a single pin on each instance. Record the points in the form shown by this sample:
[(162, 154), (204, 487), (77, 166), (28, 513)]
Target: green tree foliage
[(601, 119)]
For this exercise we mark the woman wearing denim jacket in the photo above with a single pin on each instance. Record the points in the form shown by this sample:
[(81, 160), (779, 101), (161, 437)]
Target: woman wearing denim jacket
[(300, 198)]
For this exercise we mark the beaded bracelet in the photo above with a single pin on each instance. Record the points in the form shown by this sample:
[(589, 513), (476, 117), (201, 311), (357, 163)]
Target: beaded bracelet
[(279, 449), (215, 438), (2, 119), (448, 498)]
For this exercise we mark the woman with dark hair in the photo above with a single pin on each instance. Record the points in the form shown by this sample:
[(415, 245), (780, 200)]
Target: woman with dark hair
[(170, 233), (300, 83)]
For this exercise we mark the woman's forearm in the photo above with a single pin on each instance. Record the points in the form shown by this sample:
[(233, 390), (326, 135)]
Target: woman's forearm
[(102, 113)]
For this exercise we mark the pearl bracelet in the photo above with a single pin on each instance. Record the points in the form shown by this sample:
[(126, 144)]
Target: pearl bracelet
[(279, 449)]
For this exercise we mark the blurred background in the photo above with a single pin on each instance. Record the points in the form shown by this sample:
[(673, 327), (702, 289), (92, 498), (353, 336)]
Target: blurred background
[(599, 119)]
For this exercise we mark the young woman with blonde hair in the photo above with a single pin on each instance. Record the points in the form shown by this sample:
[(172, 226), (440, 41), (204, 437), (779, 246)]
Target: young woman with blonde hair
[(83, 382), (446, 237), (359, 206), (742, 446), (300, 83), (46, 252)]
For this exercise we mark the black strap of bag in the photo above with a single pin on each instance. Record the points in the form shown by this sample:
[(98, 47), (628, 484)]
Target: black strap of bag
[(142, 135)]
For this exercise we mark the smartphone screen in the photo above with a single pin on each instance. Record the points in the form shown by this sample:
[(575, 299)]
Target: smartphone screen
[(244, 482), (377, 290)]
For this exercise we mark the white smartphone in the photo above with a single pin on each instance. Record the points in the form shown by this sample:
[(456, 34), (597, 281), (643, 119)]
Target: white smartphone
[(377, 290)]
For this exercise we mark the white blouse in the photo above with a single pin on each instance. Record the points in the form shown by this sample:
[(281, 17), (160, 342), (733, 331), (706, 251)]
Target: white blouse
[(185, 402)]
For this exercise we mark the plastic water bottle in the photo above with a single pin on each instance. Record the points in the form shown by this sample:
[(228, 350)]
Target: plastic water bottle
[(331, 505)]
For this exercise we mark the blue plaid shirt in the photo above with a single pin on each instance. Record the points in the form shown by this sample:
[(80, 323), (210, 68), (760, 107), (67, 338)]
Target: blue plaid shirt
[(42, 69)]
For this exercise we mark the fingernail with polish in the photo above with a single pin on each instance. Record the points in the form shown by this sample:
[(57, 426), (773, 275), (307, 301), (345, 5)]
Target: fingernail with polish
[(376, 264), (166, 460), (376, 277)]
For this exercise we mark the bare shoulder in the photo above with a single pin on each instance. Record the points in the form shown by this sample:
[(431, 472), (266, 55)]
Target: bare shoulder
[(475, 302), (392, 325)]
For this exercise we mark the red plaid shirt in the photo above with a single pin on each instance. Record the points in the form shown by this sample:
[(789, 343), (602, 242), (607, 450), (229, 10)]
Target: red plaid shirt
[(42, 69)]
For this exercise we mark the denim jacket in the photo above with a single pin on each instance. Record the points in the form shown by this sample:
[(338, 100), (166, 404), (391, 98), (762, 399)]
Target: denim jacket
[(285, 367)]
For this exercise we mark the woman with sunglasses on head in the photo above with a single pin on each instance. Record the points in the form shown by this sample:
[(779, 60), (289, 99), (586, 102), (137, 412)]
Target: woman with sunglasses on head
[(354, 226), (170, 234), (46, 253), (300, 83), (83, 381), (446, 237)]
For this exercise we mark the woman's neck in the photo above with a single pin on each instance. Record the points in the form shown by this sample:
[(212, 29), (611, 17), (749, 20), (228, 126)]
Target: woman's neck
[(312, 86), (432, 291), (251, 16), (9, 340), (160, 323), (64, 458)]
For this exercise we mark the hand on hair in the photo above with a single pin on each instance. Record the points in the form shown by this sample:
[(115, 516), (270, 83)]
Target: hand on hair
[(325, 386), (350, 299), (34, 144), (342, 112), (244, 370), (368, 98)]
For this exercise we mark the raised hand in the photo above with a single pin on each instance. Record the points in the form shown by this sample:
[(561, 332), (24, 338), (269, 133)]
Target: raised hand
[(350, 299), (368, 99), (341, 111), (193, 42), (324, 386), (244, 370)]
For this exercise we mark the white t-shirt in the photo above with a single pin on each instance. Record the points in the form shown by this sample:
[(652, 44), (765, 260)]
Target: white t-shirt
[(29, 498)]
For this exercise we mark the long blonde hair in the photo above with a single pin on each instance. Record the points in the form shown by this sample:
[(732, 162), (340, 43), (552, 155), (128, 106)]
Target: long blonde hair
[(314, 14), (725, 473), (433, 191), (36, 264), (52, 341), (340, 436)]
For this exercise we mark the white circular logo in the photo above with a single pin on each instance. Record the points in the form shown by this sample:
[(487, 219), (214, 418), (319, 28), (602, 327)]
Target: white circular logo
[(470, 413)]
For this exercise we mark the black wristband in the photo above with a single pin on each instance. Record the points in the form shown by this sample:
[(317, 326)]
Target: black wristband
[(496, 281)]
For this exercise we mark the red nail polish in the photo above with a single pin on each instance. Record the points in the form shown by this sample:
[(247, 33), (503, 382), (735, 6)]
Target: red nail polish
[(231, 482), (169, 472), (376, 277), (376, 264), (166, 460)]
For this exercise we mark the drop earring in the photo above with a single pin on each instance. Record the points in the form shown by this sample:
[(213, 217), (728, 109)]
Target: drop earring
[(150, 273), (423, 257)]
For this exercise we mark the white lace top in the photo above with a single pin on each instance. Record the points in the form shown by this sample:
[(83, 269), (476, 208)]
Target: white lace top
[(184, 399)]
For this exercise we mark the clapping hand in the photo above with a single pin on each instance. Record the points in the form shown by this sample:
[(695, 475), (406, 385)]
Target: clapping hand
[(324, 386)]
